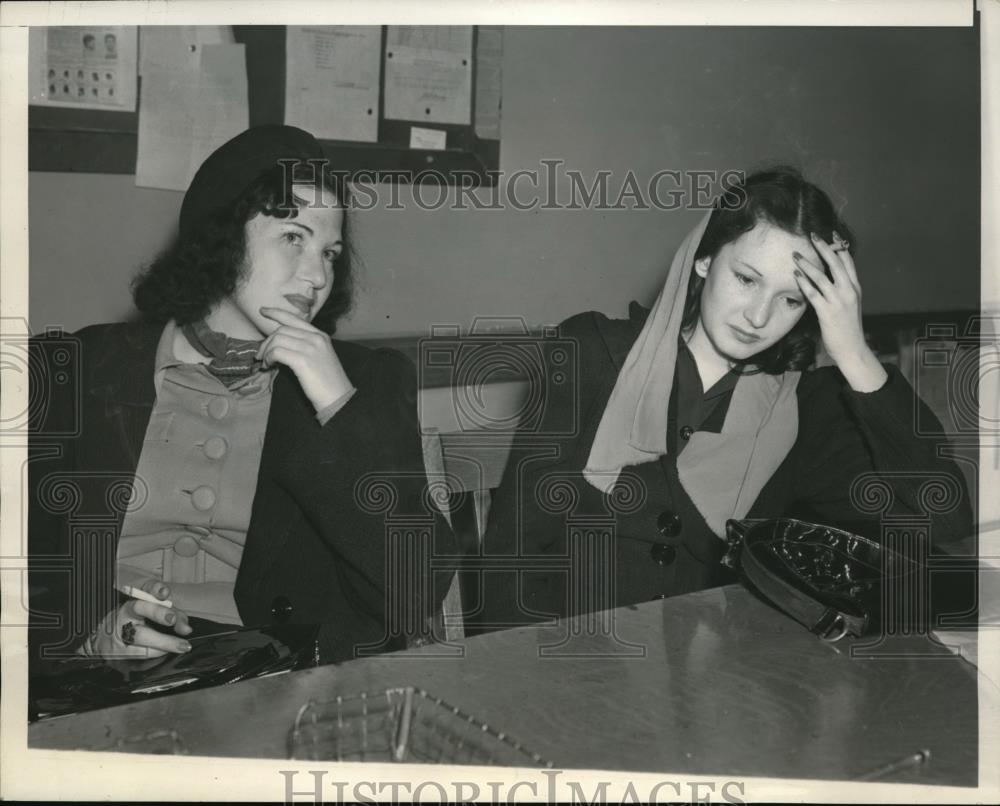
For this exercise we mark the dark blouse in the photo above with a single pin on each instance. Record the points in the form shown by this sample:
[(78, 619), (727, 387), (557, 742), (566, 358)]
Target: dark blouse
[(691, 408)]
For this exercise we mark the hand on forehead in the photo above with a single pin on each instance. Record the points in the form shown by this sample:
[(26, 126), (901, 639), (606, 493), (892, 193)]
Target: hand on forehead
[(769, 251)]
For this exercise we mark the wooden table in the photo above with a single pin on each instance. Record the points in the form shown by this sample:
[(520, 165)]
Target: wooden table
[(709, 683)]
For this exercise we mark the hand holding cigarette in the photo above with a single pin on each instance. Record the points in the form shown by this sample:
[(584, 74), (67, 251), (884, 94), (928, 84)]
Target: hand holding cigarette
[(140, 594), (123, 632)]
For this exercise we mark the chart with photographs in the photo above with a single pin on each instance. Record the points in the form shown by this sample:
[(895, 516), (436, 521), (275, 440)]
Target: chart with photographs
[(85, 67)]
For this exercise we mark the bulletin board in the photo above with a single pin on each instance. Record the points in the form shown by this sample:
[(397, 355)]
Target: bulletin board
[(98, 141)]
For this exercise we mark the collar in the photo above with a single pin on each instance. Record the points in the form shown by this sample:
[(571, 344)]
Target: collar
[(196, 375), (165, 358), (687, 373), (618, 341)]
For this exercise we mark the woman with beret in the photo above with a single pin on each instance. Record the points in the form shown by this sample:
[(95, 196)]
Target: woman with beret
[(249, 470), (705, 409)]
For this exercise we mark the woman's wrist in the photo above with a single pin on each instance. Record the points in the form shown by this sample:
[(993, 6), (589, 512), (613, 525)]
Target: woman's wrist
[(324, 414), (864, 372), (335, 391)]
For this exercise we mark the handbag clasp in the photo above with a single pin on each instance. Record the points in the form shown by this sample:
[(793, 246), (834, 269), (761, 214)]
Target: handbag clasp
[(831, 627)]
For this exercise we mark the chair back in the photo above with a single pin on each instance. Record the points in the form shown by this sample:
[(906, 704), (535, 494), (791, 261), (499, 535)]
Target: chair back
[(470, 465)]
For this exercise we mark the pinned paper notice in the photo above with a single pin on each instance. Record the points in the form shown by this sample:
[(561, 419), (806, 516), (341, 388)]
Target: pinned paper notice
[(179, 46), (332, 80), (194, 98), (428, 73), (428, 139), (83, 67), (489, 63)]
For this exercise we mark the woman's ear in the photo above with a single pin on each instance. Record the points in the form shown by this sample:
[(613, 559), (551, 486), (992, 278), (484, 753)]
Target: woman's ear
[(701, 266)]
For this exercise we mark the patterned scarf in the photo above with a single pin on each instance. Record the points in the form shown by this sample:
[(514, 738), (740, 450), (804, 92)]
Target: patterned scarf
[(232, 359)]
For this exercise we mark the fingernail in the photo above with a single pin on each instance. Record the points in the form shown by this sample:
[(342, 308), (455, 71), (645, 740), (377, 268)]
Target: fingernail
[(185, 647), (814, 236), (836, 236), (171, 618)]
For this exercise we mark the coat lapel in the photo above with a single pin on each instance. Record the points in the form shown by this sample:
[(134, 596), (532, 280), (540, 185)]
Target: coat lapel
[(122, 376), (290, 416), (290, 420)]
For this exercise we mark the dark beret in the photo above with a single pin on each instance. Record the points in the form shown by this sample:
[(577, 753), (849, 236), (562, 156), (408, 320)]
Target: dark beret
[(233, 166)]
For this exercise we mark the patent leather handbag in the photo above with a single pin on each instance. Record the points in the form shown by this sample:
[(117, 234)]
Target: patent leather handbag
[(830, 581), (82, 684)]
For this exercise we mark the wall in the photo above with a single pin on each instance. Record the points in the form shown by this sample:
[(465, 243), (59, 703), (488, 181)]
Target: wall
[(885, 119)]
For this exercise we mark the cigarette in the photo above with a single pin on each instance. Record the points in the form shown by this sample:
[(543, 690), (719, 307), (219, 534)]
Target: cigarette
[(141, 595)]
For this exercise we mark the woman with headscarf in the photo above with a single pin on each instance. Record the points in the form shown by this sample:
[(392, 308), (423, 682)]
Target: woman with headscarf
[(249, 470), (704, 409)]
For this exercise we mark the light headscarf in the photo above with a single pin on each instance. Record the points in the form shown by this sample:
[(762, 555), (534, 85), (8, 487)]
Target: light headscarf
[(722, 473)]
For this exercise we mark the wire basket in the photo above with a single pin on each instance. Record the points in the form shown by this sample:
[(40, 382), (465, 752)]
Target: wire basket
[(405, 725)]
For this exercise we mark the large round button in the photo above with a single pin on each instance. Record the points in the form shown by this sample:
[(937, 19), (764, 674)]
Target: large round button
[(218, 407), (686, 432), (215, 447), (203, 498), (186, 546), (281, 608), (663, 554), (668, 523)]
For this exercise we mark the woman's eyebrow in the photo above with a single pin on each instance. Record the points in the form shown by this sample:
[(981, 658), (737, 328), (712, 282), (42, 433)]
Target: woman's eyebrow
[(300, 224), (307, 228), (747, 265), (795, 291)]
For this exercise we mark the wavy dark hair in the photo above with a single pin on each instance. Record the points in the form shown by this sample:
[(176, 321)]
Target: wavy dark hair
[(780, 196), (206, 265)]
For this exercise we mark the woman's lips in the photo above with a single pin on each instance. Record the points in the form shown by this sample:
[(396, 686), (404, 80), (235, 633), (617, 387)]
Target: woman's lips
[(303, 304), (743, 336)]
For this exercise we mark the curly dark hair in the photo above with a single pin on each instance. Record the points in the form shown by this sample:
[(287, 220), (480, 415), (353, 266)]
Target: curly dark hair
[(782, 197), (202, 267)]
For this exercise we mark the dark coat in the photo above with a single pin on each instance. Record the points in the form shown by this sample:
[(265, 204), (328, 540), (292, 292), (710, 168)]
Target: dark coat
[(647, 540), (323, 523)]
